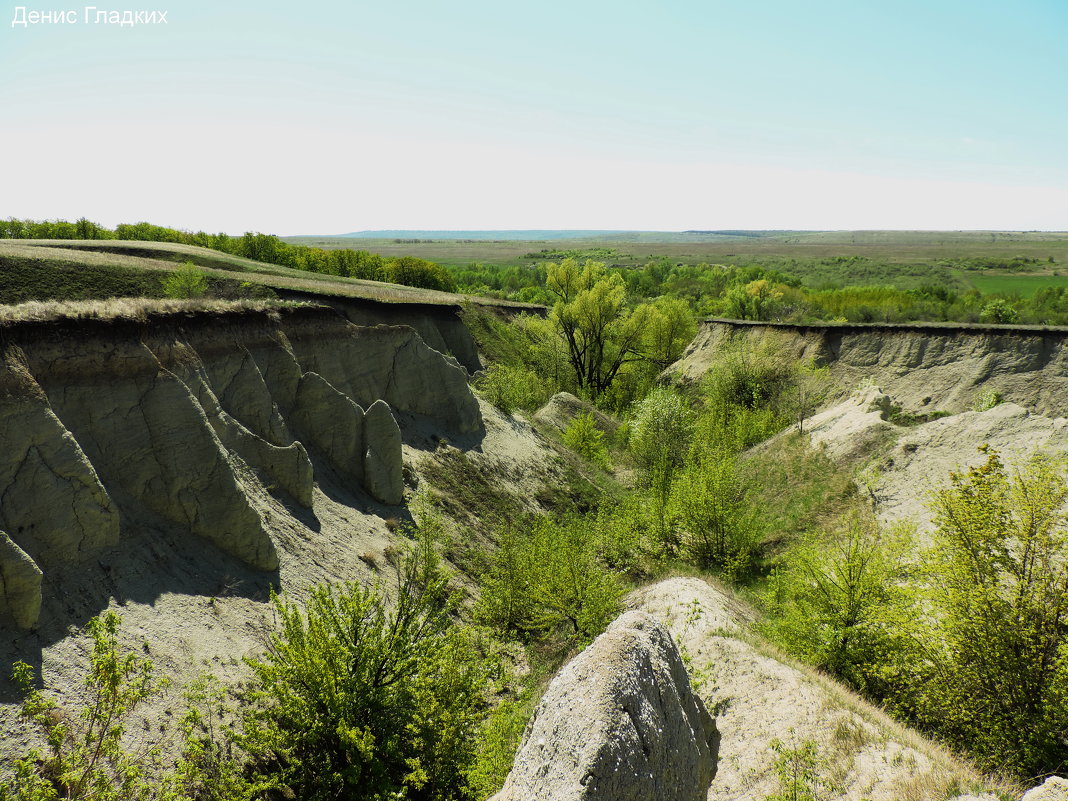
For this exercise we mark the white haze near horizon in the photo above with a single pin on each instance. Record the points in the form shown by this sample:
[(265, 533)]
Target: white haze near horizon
[(462, 185)]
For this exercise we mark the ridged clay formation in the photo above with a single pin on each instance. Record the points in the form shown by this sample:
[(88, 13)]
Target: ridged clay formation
[(112, 422)]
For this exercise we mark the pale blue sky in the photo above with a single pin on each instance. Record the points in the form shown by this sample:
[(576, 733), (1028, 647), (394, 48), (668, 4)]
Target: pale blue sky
[(321, 117)]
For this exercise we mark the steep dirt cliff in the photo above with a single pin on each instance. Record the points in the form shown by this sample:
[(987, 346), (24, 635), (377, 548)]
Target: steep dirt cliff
[(200, 424), (923, 367)]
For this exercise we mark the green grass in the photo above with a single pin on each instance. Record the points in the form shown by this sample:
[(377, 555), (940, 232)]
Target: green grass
[(1022, 285), (24, 279), (75, 270), (633, 249)]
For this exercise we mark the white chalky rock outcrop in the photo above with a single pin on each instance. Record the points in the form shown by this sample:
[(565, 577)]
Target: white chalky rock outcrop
[(1053, 789), (620, 723)]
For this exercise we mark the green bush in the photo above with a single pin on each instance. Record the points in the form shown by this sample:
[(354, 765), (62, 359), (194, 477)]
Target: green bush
[(832, 602), (999, 311), (718, 526), (987, 400), (996, 659), (358, 697), (187, 281), (749, 393), (498, 741), (661, 430), (584, 437), (510, 388), (86, 759), (546, 580)]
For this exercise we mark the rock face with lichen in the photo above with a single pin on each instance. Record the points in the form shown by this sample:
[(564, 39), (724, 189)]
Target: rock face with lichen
[(1053, 789), (188, 423), (619, 723)]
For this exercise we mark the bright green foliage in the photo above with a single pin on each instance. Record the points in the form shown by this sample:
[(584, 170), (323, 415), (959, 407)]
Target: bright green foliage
[(661, 430), (498, 741), (832, 602), (592, 316), (510, 388), (525, 344), (85, 759), (997, 651), (603, 335), (546, 581), (749, 393), (584, 437), (626, 533), (757, 300), (999, 311), (669, 327), (659, 440), (987, 400), (188, 281), (361, 698), (716, 524), (211, 765), (801, 773)]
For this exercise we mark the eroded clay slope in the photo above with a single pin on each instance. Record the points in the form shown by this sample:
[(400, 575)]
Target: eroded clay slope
[(759, 697), (200, 425), (922, 367)]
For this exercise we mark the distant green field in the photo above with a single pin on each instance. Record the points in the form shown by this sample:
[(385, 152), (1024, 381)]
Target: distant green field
[(1022, 285), (632, 250)]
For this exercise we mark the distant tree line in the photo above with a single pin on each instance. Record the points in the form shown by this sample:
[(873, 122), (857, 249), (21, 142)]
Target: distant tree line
[(267, 248)]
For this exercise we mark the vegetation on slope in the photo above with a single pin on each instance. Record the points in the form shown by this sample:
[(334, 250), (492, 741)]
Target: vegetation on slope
[(880, 282), (356, 695)]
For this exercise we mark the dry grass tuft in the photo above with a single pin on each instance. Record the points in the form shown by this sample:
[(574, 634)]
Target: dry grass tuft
[(136, 309)]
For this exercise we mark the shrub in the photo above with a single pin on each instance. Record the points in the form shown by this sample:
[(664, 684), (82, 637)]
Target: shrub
[(498, 741), (746, 396), (999, 311), (359, 698), (187, 281), (86, 759), (997, 657), (546, 580), (510, 388), (718, 526), (587, 440), (661, 430), (831, 602), (987, 400)]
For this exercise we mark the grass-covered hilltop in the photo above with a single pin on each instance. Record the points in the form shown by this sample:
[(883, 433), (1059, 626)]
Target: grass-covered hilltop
[(861, 276), (329, 517)]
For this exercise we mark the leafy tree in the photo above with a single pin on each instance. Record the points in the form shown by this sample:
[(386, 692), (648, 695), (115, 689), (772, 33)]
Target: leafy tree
[(997, 653), (670, 327), (757, 300), (661, 430), (659, 440), (591, 314)]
